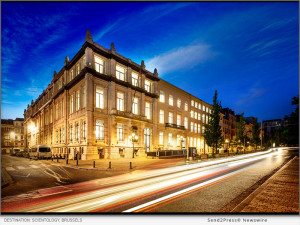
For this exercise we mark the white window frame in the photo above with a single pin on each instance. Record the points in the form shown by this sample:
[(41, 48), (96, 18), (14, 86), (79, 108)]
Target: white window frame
[(170, 117), (135, 79), (161, 138), (120, 72), (99, 130), (148, 110), (161, 116), (170, 141), (171, 100), (120, 132), (99, 64), (162, 96), (178, 102), (120, 101), (135, 106), (147, 85), (99, 97)]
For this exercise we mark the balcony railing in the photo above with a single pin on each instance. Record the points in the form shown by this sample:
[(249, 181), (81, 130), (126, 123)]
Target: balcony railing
[(175, 126)]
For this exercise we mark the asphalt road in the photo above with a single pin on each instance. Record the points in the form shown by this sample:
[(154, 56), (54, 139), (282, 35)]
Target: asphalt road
[(31, 175), (204, 187)]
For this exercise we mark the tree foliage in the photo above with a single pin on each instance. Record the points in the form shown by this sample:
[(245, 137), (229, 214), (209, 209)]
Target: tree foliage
[(240, 129), (255, 135), (213, 133)]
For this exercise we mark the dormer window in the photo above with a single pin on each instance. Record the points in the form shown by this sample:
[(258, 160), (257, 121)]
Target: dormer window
[(120, 73), (99, 64)]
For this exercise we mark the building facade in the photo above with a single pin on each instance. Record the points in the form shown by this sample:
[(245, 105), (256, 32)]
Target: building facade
[(12, 135), (103, 105), (228, 122)]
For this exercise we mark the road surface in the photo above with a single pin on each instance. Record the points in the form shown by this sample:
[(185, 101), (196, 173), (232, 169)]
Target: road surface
[(201, 187)]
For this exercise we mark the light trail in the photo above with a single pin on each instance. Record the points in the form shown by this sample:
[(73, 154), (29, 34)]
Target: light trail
[(112, 193)]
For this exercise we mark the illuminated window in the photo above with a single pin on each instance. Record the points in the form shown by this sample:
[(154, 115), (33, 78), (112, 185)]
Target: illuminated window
[(147, 85), (135, 106), (99, 98), (71, 75), (161, 138), (170, 99), (196, 104), (186, 106), (192, 103), (77, 100), (120, 134), (192, 127), (170, 117), (186, 122), (178, 119), (178, 103), (170, 139), (199, 129), (192, 114), (77, 131), (199, 116), (195, 128), (196, 114), (84, 97), (71, 104), (203, 118), (77, 69), (203, 108), (135, 79), (199, 106), (162, 96), (99, 130), (99, 64), (120, 101), (147, 110), (120, 73), (161, 116)]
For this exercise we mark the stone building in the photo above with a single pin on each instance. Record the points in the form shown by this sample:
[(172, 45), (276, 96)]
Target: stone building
[(103, 105), (12, 134), (228, 125)]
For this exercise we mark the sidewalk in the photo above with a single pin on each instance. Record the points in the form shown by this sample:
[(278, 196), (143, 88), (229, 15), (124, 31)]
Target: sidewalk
[(279, 194)]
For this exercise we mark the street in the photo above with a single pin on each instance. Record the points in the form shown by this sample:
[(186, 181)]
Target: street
[(200, 187)]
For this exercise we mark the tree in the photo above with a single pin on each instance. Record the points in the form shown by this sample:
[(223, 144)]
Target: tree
[(241, 129), (255, 135), (291, 131), (213, 133)]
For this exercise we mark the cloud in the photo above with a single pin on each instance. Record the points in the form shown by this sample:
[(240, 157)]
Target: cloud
[(185, 57)]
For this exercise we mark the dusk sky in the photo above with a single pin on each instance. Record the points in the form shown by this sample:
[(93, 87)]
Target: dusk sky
[(248, 52)]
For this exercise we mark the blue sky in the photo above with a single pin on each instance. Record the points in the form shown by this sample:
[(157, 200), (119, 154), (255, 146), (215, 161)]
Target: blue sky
[(248, 52)]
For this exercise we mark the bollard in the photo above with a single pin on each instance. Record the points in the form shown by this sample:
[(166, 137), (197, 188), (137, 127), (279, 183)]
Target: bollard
[(57, 159), (77, 162), (109, 165), (94, 164), (52, 159), (67, 161), (130, 165)]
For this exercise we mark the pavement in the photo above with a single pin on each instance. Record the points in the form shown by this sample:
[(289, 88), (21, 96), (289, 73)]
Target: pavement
[(279, 194)]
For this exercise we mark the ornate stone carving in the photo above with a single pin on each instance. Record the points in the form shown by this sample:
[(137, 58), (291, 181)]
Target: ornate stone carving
[(88, 36)]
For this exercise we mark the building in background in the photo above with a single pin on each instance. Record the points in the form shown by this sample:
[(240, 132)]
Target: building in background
[(270, 126), (228, 122), (103, 105), (12, 135)]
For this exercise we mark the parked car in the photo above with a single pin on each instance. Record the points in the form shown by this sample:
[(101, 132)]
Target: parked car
[(15, 151), (40, 152), (20, 153)]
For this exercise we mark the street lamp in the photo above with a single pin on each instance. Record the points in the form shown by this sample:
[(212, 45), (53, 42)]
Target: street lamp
[(133, 138), (227, 146)]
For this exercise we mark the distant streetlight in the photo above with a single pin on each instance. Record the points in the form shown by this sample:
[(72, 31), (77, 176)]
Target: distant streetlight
[(227, 146), (133, 138)]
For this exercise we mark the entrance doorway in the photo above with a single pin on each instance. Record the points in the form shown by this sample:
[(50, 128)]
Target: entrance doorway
[(147, 139)]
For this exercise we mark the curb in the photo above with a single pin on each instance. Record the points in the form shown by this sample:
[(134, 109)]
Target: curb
[(247, 200)]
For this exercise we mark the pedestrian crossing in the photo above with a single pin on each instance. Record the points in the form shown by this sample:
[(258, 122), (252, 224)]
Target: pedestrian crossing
[(14, 168)]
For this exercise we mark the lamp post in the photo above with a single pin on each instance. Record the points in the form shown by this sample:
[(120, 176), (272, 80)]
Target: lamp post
[(133, 138), (227, 146)]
